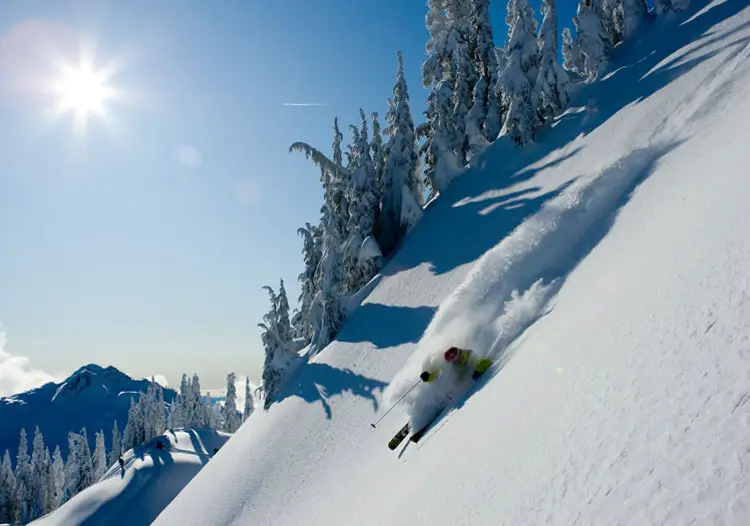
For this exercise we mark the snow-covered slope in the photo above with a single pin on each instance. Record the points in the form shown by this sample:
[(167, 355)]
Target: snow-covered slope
[(92, 397), (605, 269), (151, 480)]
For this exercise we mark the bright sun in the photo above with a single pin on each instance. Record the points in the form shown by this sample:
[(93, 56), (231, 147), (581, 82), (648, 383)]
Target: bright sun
[(82, 91)]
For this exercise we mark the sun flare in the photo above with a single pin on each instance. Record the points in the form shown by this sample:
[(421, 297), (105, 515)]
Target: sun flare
[(83, 91)]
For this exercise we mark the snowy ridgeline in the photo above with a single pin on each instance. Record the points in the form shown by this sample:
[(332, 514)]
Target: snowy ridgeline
[(42, 481), (151, 478)]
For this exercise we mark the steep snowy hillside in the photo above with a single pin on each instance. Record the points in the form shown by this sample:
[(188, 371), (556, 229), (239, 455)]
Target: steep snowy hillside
[(151, 479), (92, 397), (605, 269)]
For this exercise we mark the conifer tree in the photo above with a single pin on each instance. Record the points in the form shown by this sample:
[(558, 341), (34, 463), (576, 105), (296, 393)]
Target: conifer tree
[(551, 90), (231, 416), (39, 475), (401, 164), (115, 452), (590, 38), (100, 456), (23, 474), (249, 402), (7, 490), (572, 58), (519, 75), (56, 487)]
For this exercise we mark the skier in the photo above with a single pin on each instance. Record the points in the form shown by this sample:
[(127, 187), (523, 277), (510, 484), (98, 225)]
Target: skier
[(462, 360), (122, 464)]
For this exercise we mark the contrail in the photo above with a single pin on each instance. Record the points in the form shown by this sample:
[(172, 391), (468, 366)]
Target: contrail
[(305, 104)]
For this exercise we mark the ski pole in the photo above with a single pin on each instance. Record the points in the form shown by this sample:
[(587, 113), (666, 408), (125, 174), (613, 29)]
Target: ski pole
[(394, 405)]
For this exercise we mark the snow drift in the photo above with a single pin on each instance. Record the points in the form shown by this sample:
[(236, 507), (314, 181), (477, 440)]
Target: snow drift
[(152, 478)]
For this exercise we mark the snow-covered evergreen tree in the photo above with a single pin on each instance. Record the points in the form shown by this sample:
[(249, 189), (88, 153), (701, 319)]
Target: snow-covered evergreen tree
[(56, 482), (115, 452), (131, 435), (572, 58), (232, 420), (436, 74), (249, 402), (87, 460), (39, 475), (590, 38), (100, 456), (550, 95), (213, 416), (377, 151), (401, 164), (24, 484), (364, 208), (520, 73), (278, 355), (311, 252), (79, 468), (485, 114), (7, 490), (610, 15), (332, 288), (440, 161), (283, 324)]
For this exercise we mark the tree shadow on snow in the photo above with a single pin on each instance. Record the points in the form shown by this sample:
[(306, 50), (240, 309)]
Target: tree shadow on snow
[(638, 69), (385, 325), (317, 382)]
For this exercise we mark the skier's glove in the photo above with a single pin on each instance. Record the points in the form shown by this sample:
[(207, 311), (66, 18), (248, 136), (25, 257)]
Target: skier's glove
[(425, 376)]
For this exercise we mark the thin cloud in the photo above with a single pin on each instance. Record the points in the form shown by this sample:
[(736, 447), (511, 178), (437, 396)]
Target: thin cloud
[(16, 373), (305, 104)]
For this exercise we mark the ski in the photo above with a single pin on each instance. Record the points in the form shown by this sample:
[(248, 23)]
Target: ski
[(399, 437), (417, 436)]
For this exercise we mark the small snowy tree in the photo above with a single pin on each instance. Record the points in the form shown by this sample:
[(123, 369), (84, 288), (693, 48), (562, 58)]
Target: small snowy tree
[(79, 468), (282, 312), (7, 490), (115, 452), (249, 402), (485, 113), (401, 165), (308, 285), (56, 485), (550, 95), (590, 38), (437, 131), (23, 474), (332, 288), (377, 152), (39, 474), (364, 206), (278, 356), (572, 58), (86, 461), (520, 73), (100, 456), (231, 415)]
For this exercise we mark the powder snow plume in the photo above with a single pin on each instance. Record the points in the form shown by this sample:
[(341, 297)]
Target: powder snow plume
[(511, 284)]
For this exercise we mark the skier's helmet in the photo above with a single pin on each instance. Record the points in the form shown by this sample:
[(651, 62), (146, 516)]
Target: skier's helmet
[(451, 355)]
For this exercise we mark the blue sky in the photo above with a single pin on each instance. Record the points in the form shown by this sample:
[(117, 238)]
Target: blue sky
[(143, 241)]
